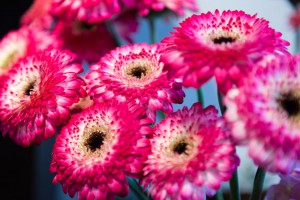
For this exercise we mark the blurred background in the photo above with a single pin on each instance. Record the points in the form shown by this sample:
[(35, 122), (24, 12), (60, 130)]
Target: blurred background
[(24, 173)]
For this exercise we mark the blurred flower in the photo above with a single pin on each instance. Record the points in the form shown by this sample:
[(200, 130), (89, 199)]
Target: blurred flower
[(23, 42), (287, 189), (191, 155), (36, 95), (177, 6), (133, 74), (88, 41), (265, 113), (125, 24), (219, 45), (38, 15), (295, 18), (294, 2), (90, 11), (97, 148)]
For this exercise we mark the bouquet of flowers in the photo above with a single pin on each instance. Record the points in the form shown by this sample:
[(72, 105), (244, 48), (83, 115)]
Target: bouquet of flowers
[(73, 71)]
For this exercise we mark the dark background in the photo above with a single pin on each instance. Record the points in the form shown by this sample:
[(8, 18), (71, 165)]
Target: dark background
[(16, 163)]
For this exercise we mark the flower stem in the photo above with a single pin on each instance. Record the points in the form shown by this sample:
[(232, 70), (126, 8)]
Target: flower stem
[(258, 184), (234, 187), (161, 114), (134, 186), (152, 29), (234, 181), (113, 33), (200, 96), (220, 100)]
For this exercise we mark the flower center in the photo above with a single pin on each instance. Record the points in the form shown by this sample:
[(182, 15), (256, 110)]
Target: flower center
[(85, 26), (180, 147), (137, 71), (95, 140), (29, 88), (290, 103), (222, 39), (80, 27)]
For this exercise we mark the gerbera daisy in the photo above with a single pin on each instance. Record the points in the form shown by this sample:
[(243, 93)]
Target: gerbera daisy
[(126, 23), (88, 41), (177, 6), (288, 188), (220, 45), (23, 42), (191, 155), (264, 113), (90, 11), (36, 95), (97, 149), (133, 73)]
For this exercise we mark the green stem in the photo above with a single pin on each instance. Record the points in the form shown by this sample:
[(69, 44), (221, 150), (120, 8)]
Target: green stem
[(234, 181), (220, 100), (200, 96), (134, 186), (152, 29), (113, 33), (234, 187), (161, 114), (258, 184)]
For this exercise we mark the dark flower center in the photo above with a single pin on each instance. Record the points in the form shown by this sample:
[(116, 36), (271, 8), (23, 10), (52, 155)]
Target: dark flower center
[(290, 103), (95, 140), (222, 39), (180, 147), (29, 88), (138, 71), (85, 26)]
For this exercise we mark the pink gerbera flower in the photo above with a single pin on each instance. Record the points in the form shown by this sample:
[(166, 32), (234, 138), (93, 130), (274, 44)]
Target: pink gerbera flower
[(220, 45), (126, 23), (134, 74), (191, 155), (264, 113), (88, 41), (177, 6), (288, 188), (36, 95), (97, 148), (21, 43), (90, 11)]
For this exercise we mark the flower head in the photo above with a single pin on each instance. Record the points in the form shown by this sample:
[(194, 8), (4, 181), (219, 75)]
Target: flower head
[(126, 23), (288, 188), (97, 148), (177, 6), (36, 96), (88, 41), (38, 15), (133, 74), (90, 11), (220, 45), (264, 113), (23, 42), (295, 18), (191, 155)]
